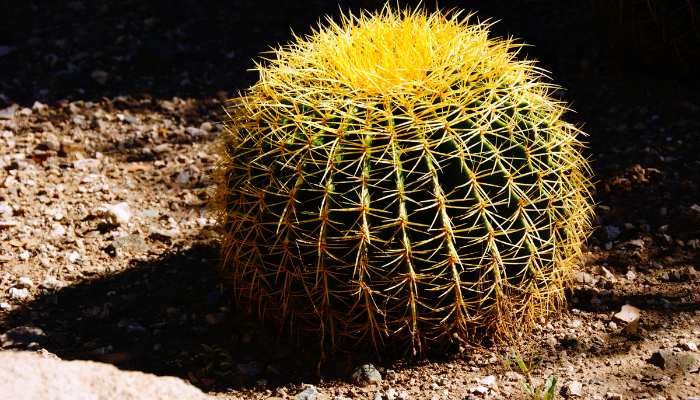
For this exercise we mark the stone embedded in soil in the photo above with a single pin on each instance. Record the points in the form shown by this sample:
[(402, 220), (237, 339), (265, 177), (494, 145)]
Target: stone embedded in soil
[(17, 293), (675, 362), (130, 243), (690, 346), (365, 375), (7, 223), (24, 282), (8, 112), (5, 210), (629, 317), (310, 393), (118, 214), (488, 380), (572, 389), (584, 278)]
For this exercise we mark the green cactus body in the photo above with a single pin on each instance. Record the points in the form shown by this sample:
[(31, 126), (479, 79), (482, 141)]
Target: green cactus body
[(401, 179)]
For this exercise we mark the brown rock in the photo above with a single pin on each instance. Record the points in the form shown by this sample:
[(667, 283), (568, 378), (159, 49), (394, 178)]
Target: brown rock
[(25, 375), (628, 316)]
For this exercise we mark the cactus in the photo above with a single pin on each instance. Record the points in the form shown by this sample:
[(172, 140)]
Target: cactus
[(401, 179)]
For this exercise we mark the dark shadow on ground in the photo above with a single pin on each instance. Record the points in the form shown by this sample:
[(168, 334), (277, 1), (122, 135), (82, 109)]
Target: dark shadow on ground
[(172, 316), (88, 50), (169, 316)]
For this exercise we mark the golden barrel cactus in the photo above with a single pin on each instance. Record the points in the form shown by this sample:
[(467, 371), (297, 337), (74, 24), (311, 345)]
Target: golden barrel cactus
[(400, 178)]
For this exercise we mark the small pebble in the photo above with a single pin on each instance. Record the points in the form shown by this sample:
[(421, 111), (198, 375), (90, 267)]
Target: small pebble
[(365, 375), (18, 294)]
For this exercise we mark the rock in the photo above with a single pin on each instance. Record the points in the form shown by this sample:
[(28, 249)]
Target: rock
[(73, 257), (24, 282), (629, 317), (86, 164), (130, 243), (195, 132), (310, 393), (24, 255), (488, 380), (183, 178), (608, 275), (7, 223), (118, 214), (5, 306), (52, 142), (677, 362), (513, 376), (390, 394), (51, 282), (613, 396), (572, 389), (58, 230), (5, 211), (17, 293), (482, 390), (584, 278), (365, 375), (22, 336), (8, 112), (164, 234), (690, 346), (25, 375)]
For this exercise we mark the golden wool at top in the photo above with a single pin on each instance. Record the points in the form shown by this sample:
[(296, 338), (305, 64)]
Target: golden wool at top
[(401, 180)]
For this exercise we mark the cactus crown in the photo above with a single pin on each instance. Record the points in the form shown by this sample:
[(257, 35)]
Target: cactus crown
[(400, 177)]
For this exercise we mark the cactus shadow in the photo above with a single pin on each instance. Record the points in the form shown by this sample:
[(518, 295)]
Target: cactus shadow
[(168, 316)]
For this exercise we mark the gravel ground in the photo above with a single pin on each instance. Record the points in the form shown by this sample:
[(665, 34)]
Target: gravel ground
[(108, 252)]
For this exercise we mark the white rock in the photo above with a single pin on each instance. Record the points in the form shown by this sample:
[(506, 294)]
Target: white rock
[(18, 294), (58, 230), (390, 394), (51, 282), (488, 380), (479, 389), (5, 210), (183, 178), (5, 306), (572, 389), (29, 375), (58, 215), (73, 256), (629, 316), (24, 282), (7, 223), (24, 255), (86, 164), (691, 346), (119, 213)]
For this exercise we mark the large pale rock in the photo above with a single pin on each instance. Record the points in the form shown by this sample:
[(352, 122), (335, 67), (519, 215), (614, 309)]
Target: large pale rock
[(628, 316), (25, 375)]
